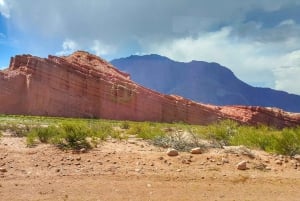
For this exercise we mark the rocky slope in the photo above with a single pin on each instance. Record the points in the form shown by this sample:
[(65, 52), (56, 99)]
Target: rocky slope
[(202, 82), (83, 85)]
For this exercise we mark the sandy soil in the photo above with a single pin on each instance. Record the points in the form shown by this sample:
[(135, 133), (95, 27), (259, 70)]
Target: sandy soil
[(135, 170)]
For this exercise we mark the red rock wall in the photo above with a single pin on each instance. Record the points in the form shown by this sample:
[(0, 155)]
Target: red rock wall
[(83, 85)]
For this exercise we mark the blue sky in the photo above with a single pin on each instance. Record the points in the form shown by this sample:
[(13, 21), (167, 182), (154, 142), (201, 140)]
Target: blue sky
[(259, 40)]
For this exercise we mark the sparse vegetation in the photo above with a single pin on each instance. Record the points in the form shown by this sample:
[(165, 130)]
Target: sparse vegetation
[(288, 143), (70, 133), (146, 130)]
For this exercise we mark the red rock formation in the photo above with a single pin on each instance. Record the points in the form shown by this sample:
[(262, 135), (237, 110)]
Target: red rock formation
[(83, 85)]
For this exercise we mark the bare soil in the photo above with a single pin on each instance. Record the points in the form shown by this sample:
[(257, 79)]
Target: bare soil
[(135, 170)]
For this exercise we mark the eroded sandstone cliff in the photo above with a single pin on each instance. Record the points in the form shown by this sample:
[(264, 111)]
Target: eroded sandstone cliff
[(84, 85)]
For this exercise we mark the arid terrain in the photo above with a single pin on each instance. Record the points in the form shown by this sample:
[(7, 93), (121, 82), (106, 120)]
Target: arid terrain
[(133, 169)]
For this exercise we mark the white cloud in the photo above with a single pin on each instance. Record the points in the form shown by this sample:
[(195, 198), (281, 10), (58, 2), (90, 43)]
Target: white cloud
[(287, 22), (4, 9), (252, 61), (101, 49), (69, 46), (97, 47), (287, 75), (258, 36), (288, 78)]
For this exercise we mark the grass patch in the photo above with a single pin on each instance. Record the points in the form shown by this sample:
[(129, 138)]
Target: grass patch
[(146, 130), (288, 143), (72, 133), (261, 137)]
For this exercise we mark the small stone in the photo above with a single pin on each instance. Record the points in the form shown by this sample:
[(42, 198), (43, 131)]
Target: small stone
[(83, 150), (161, 158), (184, 161), (268, 168), (149, 185), (242, 165), (172, 152), (225, 160), (78, 158), (297, 157), (278, 162), (178, 170), (196, 150), (3, 170)]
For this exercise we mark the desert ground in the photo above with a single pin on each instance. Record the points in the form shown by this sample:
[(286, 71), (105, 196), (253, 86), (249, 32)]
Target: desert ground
[(133, 169)]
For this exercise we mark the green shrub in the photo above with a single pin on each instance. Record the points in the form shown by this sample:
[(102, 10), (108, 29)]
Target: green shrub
[(146, 130), (17, 129), (125, 125), (260, 137), (177, 141), (75, 136), (222, 132), (31, 139), (47, 133), (102, 130), (288, 143)]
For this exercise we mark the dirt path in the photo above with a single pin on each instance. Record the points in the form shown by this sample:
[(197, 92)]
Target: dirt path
[(135, 170)]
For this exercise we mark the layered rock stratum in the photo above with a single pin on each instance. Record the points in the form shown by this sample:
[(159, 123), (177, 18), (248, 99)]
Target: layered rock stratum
[(84, 85)]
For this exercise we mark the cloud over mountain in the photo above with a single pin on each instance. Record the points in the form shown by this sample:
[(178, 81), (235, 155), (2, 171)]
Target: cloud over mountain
[(257, 39)]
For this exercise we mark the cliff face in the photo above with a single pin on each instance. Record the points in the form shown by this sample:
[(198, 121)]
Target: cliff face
[(83, 85)]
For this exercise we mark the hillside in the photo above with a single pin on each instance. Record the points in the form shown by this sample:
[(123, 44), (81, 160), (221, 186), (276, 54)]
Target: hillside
[(204, 82), (84, 85)]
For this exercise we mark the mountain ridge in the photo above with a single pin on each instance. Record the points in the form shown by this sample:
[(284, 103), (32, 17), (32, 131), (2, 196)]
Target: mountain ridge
[(201, 81)]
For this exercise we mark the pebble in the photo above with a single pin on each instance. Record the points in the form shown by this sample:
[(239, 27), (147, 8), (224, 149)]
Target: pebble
[(184, 161), (172, 152), (268, 168), (225, 160), (83, 150), (3, 170), (278, 162), (242, 165), (138, 170), (297, 157), (196, 150)]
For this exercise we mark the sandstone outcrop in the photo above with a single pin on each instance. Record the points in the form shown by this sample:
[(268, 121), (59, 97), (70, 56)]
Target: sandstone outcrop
[(84, 85)]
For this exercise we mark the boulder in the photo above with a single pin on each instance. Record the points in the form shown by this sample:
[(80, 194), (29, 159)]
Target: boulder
[(172, 152), (242, 165), (196, 150)]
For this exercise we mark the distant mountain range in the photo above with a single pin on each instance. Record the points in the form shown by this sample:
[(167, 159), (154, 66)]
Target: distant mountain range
[(203, 82)]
